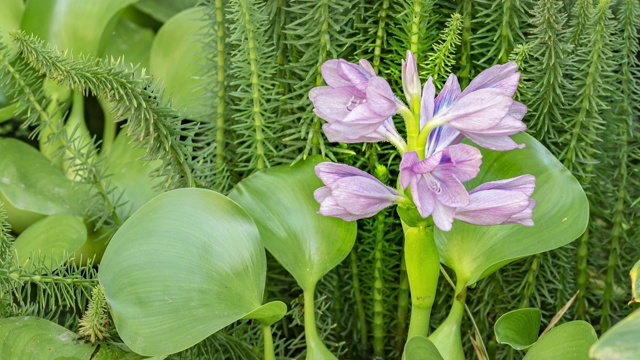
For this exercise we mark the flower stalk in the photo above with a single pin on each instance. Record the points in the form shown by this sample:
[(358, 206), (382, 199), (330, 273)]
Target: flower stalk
[(423, 269)]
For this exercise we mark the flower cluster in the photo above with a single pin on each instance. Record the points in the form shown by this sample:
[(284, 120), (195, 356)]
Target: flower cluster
[(358, 107)]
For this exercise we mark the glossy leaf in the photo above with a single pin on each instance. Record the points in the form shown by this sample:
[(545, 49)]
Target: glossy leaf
[(131, 41), (186, 264), (179, 42), (31, 187), (130, 175), (50, 241), (268, 313), (280, 200), (620, 342), (10, 18), (419, 348), (163, 10), (76, 25), (36, 338), (569, 341), (519, 328), (560, 216)]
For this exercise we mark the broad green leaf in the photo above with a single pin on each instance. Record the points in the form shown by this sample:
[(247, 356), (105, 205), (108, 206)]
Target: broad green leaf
[(186, 264), (76, 25), (569, 341), (281, 202), (50, 241), (163, 10), (10, 17), (560, 216), (179, 41), (519, 328), (268, 313), (31, 187), (32, 338), (420, 348), (621, 342), (131, 41), (130, 175)]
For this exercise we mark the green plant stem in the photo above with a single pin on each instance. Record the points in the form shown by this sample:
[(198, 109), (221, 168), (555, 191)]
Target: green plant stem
[(221, 88), (378, 290), (423, 270), (315, 347), (269, 353), (447, 336)]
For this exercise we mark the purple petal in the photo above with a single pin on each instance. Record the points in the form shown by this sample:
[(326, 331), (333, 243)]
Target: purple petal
[(363, 196), (463, 161), (448, 95), (427, 165), (354, 75), (448, 189), (501, 77), (333, 104), (331, 76), (322, 193), (380, 98), (495, 207), (409, 159), (366, 66), (524, 184), (480, 110), (329, 207), (410, 78), (330, 172), (443, 216), (441, 137), (337, 136), (361, 121), (427, 104), (423, 197), (498, 143)]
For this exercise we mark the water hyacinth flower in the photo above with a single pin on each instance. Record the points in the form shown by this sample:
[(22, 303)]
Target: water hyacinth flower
[(485, 111), (500, 202), (355, 103), (352, 194), (436, 182)]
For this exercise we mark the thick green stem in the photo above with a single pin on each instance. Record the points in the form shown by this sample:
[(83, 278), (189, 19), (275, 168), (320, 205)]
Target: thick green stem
[(378, 290), (423, 270), (447, 337), (269, 353), (316, 350)]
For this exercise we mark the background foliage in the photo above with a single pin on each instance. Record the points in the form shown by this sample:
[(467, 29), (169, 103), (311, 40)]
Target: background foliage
[(580, 79)]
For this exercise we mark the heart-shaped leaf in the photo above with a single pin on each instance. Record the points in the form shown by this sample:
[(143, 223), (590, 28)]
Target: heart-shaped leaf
[(560, 216), (163, 10), (36, 338), (178, 42), (519, 328), (186, 264), (420, 348), (635, 282), (31, 187), (569, 341), (50, 241), (76, 25), (620, 342), (281, 202)]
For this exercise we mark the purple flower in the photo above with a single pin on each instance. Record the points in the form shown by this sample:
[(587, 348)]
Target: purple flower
[(484, 112), (410, 78), (350, 193), (355, 104), (500, 202), (436, 182)]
